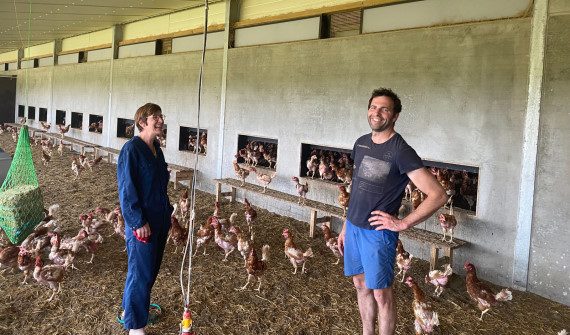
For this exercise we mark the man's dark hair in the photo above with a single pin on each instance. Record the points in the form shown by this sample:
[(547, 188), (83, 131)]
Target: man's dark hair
[(386, 92)]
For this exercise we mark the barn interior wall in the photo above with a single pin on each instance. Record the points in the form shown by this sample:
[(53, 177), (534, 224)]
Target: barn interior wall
[(463, 87), (549, 268)]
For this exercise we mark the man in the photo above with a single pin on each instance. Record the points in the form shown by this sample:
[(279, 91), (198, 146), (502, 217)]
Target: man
[(143, 177), (384, 164)]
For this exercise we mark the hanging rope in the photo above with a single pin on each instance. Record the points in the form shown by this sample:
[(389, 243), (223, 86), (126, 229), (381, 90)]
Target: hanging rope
[(187, 321)]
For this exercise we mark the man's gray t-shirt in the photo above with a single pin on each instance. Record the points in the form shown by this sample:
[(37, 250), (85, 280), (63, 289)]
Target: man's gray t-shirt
[(379, 177)]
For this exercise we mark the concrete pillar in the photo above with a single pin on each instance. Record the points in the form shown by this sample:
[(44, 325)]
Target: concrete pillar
[(117, 37), (530, 145)]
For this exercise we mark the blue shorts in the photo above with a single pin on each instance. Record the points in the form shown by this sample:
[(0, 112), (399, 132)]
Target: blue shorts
[(372, 252)]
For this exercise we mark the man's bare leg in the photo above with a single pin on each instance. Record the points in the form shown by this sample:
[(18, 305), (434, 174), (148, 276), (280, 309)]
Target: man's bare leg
[(366, 305), (387, 317)]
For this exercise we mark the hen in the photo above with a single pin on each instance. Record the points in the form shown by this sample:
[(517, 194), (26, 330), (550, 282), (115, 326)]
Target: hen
[(204, 234), (331, 242), (403, 259), (243, 243), (301, 189), (263, 179), (481, 294), (312, 166), (256, 267), (343, 198), (240, 172), (296, 256), (227, 243), (439, 278), (447, 223), (63, 129), (426, 317), (250, 213), (50, 275), (177, 234)]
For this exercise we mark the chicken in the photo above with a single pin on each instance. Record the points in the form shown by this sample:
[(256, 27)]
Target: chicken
[(60, 148), (324, 169), (301, 189), (204, 234), (184, 205), (90, 241), (417, 197), (263, 179), (203, 142), (447, 223), (50, 275), (227, 243), (403, 259), (9, 257), (468, 189), (256, 267), (130, 131), (343, 174), (312, 166), (76, 167), (177, 233), (243, 244), (249, 212), (63, 257), (240, 172), (63, 129), (426, 318), (46, 157), (296, 256), (25, 263), (343, 198), (45, 125), (92, 162), (480, 293), (409, 189), (23, 120), (439, 278), (331, 242)]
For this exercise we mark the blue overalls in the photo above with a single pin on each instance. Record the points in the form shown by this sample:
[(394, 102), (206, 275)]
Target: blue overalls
[(142, 180)]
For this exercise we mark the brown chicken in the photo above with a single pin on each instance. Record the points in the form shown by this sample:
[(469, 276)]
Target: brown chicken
[(228, 243), (439, 278), (63, 129), (240, 172), (184, 205), (244, 242), (263, 179), (343, 198), (203, 142), (50, 275), (250, 213), (468, 189), (331, 242), (92, 162), (46, 157), (177, 233), (45, 125), (312, 166), (9, 257), (417, 198), (301, 189), (256, 267), (130, 131), (205, 234), (447, 223), (403, 259), (480, 293), (426, 318), (296, 256), (25, 263)]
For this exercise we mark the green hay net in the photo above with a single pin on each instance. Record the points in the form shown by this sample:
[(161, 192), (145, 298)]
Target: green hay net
[(21, 204)]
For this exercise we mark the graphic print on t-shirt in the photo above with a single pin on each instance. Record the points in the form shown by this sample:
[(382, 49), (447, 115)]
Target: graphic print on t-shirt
[(373, 173)]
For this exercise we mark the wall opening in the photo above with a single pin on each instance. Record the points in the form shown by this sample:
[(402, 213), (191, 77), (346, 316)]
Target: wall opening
[(21, 111), (341, 24), (257, 151), (76, 120), (43, 114), (31, 113), (125, 128), (60, 117), (95, 123), (190, 140), (326, 163)]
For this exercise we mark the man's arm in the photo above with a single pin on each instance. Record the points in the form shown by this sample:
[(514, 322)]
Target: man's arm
[(435, 198)]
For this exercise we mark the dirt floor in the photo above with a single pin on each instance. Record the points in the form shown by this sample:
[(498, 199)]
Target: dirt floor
[(322, 301)]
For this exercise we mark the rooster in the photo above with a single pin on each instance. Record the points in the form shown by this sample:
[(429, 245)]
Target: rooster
[(480, 293), (264, 179), (426, 317), (296, 256), (50, 275), (240, 172), (439, 278), (331, 242), (403, 259), (255, 267), (301, 189)]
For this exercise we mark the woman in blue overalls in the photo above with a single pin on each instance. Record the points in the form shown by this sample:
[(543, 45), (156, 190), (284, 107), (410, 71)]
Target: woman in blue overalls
[(143, 177)]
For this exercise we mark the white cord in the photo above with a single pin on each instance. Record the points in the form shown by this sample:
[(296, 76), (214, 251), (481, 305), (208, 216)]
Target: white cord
[(188, 248)]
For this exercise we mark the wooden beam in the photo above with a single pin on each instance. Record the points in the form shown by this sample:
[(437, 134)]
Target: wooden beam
[(95, 47), (211, 29)]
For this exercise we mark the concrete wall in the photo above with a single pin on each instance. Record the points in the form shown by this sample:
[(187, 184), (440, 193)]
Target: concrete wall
[(464, 91), (549, 270), (33, 89)]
